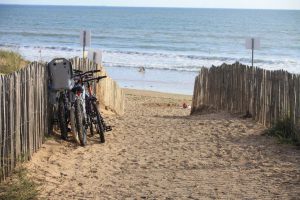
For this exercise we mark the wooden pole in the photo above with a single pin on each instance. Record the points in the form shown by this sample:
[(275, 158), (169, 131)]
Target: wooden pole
[(252, 40)]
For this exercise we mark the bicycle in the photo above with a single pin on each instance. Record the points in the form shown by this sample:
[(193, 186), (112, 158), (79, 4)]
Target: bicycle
[(94, 117), (67, 100), (78, 112), (60, 83)]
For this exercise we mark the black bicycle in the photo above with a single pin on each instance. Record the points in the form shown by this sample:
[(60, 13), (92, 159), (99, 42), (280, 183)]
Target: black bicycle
[(94, 119), (60, 83), (67, 101)]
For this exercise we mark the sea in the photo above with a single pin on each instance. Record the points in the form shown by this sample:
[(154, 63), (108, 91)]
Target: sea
[(172, 44)]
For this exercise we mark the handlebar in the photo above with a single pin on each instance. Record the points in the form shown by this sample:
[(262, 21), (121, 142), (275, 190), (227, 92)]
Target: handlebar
[(77, 71), (80, 73), (94, 79)]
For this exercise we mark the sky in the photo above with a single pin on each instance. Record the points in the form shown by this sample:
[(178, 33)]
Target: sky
[(249, 4)]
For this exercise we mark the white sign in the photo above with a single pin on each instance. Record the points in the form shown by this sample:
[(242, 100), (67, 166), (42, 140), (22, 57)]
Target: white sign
[(252, 43), (95, 56), (85, 38)]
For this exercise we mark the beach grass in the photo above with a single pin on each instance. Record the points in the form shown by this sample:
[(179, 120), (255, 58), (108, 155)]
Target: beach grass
[(10, 62), (285, 131), (19, 186)]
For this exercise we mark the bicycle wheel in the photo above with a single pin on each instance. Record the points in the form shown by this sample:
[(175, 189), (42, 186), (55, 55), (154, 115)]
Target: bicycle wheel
[(88, 110), (98, 121), (51, 112), (73, 125), (80, 125), (62, 119), (91, 127)]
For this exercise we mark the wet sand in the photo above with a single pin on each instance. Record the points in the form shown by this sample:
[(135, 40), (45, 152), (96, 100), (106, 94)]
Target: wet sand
[(157, 151)]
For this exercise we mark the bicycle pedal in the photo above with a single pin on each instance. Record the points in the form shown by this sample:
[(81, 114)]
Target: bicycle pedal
[(108, 128)]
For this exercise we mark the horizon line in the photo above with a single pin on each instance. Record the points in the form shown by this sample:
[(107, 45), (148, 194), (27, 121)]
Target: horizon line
[(167, 7)]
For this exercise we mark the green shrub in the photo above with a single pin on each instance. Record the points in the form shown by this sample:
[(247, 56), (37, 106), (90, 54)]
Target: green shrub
[(10, 62), (284, 130)]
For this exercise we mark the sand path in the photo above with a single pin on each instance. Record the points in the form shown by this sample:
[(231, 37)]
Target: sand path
[(158, 151)]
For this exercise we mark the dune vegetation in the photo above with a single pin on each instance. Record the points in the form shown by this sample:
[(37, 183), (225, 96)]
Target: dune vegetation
[(19, 186), (11, 61)]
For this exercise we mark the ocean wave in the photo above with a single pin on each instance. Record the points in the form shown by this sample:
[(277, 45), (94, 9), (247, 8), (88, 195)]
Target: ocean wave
[(204, 57), (166, 55), (59, 48), (125, 65), (40, 34), (153, 60)]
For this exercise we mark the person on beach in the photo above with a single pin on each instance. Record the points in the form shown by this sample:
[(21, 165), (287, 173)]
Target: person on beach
[(142, 69)]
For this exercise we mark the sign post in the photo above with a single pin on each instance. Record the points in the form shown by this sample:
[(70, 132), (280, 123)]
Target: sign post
[(252, 43), (85, 40)]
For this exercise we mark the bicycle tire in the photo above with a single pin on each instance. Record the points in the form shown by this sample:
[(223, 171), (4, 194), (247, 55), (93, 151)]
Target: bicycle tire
[(100, 127), (79, 119), (73, 125), (91, 127), (50, 119), (62, 119), (90, 115)]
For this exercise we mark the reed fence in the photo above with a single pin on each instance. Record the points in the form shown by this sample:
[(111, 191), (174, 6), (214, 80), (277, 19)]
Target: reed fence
[(24, 110), (263, 94)]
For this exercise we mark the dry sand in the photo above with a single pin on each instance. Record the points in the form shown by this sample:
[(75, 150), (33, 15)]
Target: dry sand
[(157, 151)]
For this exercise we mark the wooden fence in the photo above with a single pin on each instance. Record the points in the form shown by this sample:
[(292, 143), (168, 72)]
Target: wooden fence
[(266, 95), (24, 110)]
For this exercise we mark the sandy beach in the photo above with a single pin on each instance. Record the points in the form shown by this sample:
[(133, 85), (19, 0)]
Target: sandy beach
[(158, 151)]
